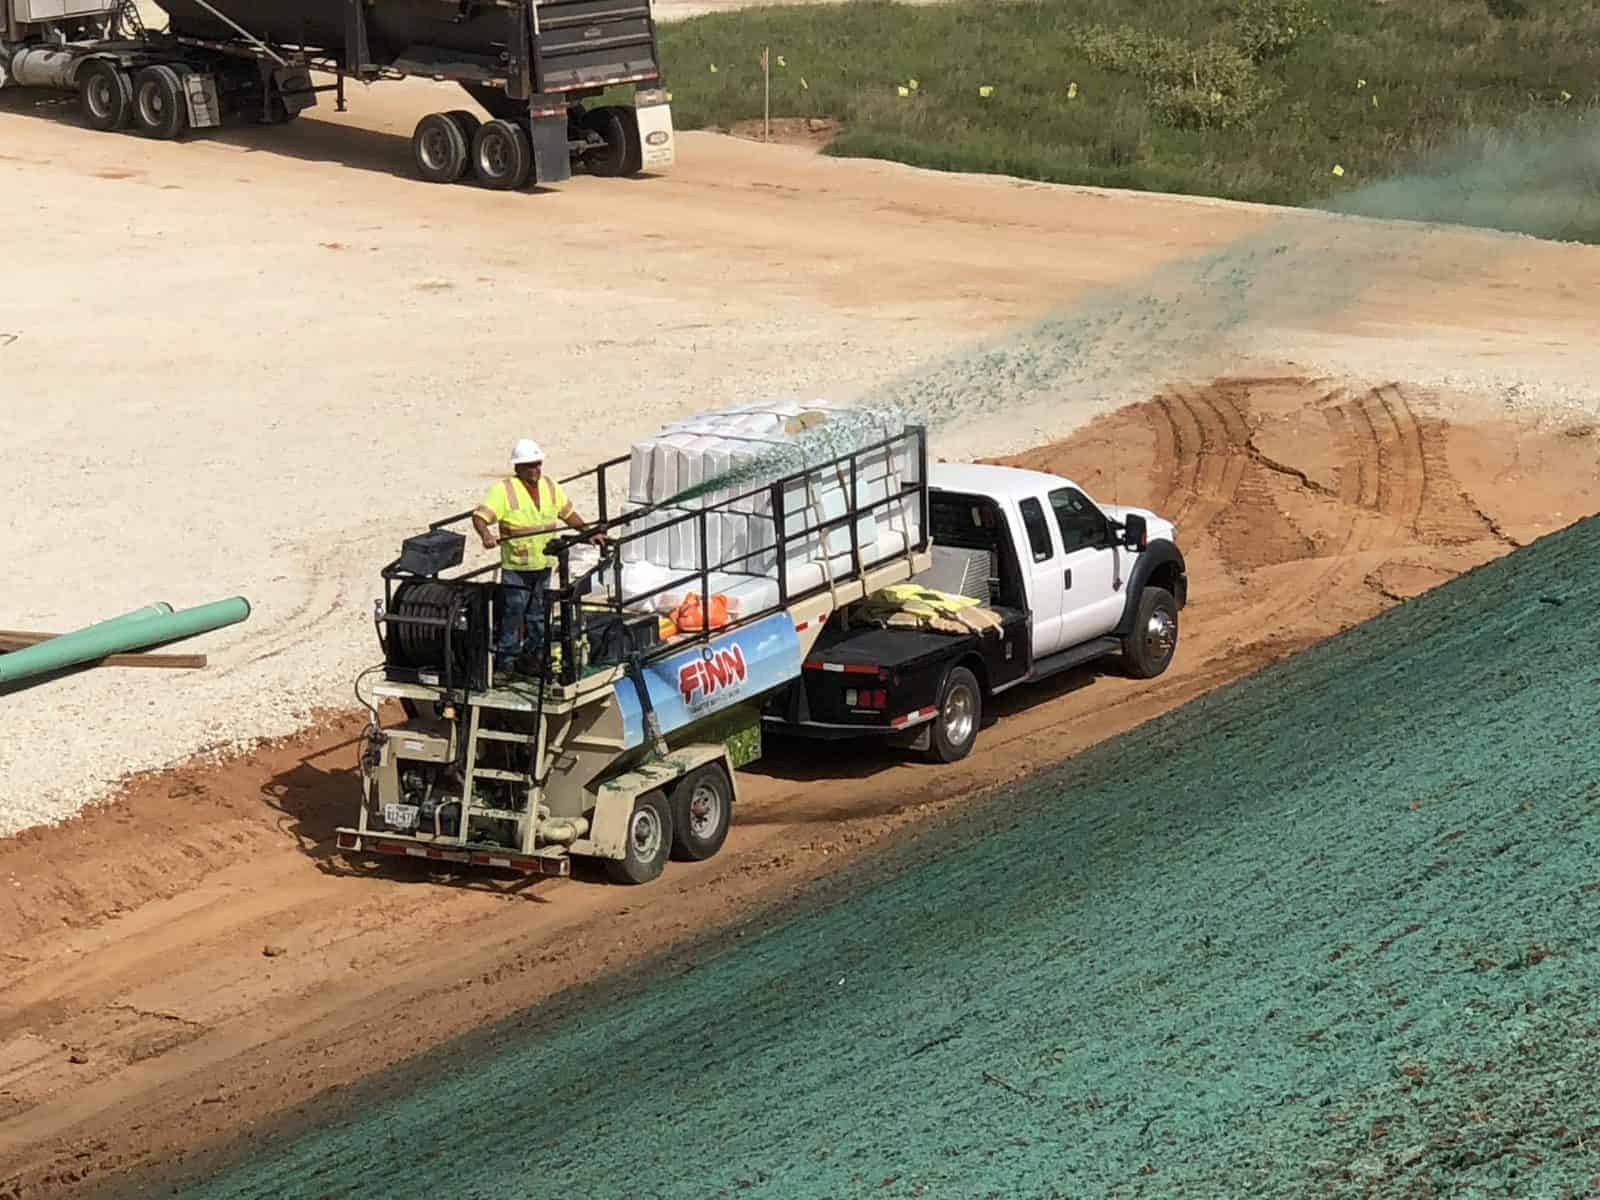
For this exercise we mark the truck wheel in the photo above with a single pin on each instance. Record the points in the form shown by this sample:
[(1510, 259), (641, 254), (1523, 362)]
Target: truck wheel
[(1148, 650), (702, 806), (466, 122), (502, 157), (106, 94), (439, 148), (619, 129), (955, 725), (649, 841), (159, 107)]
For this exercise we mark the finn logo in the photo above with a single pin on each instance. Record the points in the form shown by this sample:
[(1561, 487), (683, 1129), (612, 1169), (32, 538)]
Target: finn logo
[(701, 680)]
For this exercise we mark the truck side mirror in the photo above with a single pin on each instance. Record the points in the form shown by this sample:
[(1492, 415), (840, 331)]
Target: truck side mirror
[(1135, 533)]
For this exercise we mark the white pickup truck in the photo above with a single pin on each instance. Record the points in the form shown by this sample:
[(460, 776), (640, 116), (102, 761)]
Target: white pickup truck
[(1071, 581)]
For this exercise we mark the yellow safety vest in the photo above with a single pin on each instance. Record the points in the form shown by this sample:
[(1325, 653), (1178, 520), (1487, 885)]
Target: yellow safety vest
[(518, 512)]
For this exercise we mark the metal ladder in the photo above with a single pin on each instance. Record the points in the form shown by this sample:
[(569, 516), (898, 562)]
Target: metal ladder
[(477, 735)]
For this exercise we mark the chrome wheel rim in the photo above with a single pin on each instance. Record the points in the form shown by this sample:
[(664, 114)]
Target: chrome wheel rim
[(494, 158), (152, 104), (644, 834), (1160, 635), (436, 149), (99, 95), (958, 714), (705, 812)]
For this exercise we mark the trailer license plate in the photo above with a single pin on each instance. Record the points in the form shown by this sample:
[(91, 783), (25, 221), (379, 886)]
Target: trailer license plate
[(400, 816)]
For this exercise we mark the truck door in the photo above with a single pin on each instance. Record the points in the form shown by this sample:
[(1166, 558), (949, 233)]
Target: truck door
[(1091, 603), (1041, 567)]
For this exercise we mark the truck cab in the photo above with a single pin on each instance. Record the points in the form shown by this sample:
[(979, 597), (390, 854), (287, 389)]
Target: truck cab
[(1069, 580)]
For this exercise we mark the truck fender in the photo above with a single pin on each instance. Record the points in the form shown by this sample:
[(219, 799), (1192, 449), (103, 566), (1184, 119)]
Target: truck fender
[(1163, 560)]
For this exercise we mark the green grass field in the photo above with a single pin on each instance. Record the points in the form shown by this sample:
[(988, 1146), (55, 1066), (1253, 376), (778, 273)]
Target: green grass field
[(1283, 101)]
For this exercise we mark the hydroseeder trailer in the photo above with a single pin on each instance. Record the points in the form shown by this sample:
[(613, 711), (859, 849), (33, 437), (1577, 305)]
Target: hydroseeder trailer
[(731, 595), (530, 65)]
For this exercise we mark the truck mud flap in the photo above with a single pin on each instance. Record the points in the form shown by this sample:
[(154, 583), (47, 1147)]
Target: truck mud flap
[(552, 157)]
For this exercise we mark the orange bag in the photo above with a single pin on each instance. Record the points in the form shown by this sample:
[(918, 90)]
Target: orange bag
[(690, 618)]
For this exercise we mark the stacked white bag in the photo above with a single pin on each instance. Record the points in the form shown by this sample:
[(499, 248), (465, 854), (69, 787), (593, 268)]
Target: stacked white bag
[(726, 462)]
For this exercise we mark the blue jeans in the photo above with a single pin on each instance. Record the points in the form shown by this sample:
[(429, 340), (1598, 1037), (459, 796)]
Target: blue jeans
[(519, 603)]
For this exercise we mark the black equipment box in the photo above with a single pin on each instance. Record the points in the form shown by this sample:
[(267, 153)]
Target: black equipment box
[(431, 552), (613, 637)]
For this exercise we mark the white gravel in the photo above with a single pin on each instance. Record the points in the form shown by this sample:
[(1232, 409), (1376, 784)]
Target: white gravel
[(294, 387)]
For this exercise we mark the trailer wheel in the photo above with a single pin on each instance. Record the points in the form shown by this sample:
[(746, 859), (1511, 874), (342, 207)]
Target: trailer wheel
[(106, 94), (649, 841), (619, 129), (159, 107), (702, 807), (439, 148), (1148, 650), (955, 725), (467, 122), (502, 157)]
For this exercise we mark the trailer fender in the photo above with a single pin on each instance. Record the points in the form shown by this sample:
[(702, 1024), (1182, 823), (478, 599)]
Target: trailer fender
[(1161, 563), (608, 828)]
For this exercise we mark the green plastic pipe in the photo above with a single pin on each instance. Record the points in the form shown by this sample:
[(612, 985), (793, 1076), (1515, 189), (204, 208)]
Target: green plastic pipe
[(158, 609), (120, 635)]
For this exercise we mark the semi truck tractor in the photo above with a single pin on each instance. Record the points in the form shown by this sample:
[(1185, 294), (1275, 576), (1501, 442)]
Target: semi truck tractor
[(532, 67), (749, 576)]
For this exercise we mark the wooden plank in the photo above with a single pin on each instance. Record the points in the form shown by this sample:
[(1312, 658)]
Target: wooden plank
[(21, 639)]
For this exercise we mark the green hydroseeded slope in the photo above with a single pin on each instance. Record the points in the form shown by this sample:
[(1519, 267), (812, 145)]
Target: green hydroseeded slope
[(1331, 930)]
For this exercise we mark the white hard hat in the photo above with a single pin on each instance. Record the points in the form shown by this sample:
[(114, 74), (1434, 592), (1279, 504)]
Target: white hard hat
[(526, 451)]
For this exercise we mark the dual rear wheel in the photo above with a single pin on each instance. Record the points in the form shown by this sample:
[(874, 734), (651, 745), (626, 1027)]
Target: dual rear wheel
[(151, 100), (448, 145)]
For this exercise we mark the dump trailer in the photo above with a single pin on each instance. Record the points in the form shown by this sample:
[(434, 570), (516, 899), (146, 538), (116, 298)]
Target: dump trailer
[(617, 748), (530, 65)]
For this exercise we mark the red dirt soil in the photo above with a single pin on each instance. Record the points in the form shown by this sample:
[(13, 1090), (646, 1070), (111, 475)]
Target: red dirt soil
[(194, 960)]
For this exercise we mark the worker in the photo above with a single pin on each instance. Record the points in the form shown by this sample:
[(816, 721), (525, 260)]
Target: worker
[(520, 514)]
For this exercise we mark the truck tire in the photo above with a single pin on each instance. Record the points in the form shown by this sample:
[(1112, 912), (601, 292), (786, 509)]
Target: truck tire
[(467, 122), (624, 153), (159, 107), (955, 725), (649, 841), (106, 95), (502, 156), (440, 149), (702, 807), (1148, 649)]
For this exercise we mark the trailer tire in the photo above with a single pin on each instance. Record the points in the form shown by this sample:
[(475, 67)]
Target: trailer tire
[(160, 109), (439, 148), (955, 725), (1147, 651), (702, 808), (467, 122), (618, 128), (649, 841), (106, 95), (502, 156)]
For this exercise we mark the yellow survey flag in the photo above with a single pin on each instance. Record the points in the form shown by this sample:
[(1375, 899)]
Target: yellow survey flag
[(1337, 169), (986, 91), (912, 83), (781, 63), (1360, 83), (903, 90), (804, 86), (1072, 90), (1565, 96), (713, 68)]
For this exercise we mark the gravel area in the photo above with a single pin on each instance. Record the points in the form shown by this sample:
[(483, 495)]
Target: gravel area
[(327, 354)]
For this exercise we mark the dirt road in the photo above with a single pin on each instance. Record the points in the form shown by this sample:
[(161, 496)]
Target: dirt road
[(303, 353), (195, 960)]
